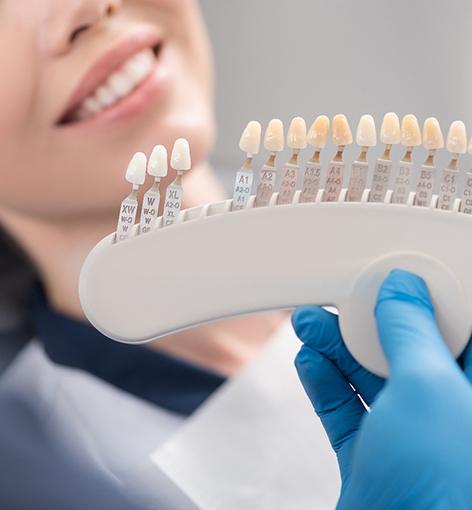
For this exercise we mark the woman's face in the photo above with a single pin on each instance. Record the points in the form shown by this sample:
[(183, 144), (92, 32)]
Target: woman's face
[(85, 84)]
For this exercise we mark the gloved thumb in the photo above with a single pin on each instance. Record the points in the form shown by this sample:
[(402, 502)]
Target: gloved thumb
[(406, 325)]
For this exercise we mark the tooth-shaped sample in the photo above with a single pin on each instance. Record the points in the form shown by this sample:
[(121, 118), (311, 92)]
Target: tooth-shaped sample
[(469, 149), (456, 144), (296, 136), (366, 135), (410, 137), (274, 136), (136, 172), (157, 165), (251, 138), (457, 138), (180, 159), (410, 131), (433, 138), (319, 132), (342, 134), (390, 133)]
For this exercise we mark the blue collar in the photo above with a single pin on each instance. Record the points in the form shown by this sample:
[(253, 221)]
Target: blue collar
[(165, 381)]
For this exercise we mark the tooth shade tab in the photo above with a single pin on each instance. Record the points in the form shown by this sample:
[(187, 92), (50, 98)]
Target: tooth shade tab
[(390, 133), (250, 142), (410, 131), (342, 134), (457, 138), (274, 138), (433, 138), (157, 165), (136, 171), (296, 136), (181, 159), (319, 132), (366, 135)]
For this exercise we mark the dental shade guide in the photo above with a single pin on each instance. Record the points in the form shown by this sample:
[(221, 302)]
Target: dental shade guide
[(217, 261), (135, 175), (318, 138), (366, 137), (410, 138), (342, 136), (433, 140), (157, 167), (466, 202), (390, 134), (296, 140), (274, 141), (250, 144), (181, 163), (456, 144)]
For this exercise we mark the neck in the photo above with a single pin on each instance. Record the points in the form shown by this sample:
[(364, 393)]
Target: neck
[(58, 250)]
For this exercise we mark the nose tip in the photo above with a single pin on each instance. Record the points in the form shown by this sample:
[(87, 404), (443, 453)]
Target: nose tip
[(72, 19), (106, 9)]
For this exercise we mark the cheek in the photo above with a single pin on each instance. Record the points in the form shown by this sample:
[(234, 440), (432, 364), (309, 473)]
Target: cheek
[(186, 28), (18, 87), (18, 83)]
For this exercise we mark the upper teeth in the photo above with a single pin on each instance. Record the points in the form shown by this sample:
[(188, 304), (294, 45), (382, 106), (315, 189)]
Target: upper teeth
[(118, 84)]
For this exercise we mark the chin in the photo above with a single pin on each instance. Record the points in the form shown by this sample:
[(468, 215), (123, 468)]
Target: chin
[(197, 126)]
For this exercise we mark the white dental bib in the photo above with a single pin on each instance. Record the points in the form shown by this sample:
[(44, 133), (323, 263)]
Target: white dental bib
[(257, 443)]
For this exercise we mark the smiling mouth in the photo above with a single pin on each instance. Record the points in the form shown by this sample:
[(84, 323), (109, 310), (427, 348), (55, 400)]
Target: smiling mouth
[(118, 86)]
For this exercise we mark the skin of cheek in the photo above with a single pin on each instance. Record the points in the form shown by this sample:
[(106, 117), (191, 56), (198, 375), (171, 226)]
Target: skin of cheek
[(18, 94), (60, 173)]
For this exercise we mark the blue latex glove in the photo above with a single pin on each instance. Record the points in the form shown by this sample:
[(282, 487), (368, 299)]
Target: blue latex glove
[(414, 449)]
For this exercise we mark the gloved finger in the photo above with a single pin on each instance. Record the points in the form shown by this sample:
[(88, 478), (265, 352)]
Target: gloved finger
[(466, 361), (406, 324), (319, 329), (335, 402)]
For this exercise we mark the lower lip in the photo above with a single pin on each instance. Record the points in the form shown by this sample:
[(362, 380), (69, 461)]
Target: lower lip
[(139, 100)]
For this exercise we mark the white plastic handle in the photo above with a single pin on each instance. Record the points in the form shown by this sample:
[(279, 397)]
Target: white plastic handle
[(215, 264)]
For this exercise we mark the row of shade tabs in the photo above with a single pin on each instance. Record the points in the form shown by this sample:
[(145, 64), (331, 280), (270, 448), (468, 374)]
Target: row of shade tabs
[(157, 168), (389, 182), (392, 183)]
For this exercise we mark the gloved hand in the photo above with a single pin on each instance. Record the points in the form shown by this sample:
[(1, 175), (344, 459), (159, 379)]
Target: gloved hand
[(414, 449)]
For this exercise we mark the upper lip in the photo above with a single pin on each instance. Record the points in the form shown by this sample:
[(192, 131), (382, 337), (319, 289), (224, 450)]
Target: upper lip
[(105, 65)]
